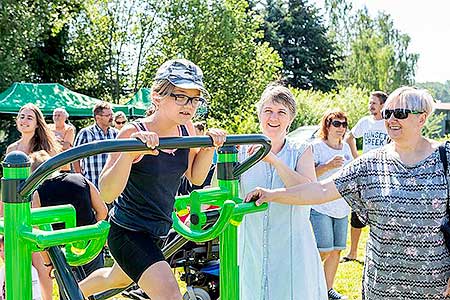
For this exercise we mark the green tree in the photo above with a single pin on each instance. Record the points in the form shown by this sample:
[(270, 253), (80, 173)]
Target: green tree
[(376, 53), (48, 61), (220, 36), (312, 105), (440, 91), (433, 126), (108, 44), (295, 29), (32, 38), (98, 37)]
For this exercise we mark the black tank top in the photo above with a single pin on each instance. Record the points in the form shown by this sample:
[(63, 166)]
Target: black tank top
[(68, 188), (146, 204)]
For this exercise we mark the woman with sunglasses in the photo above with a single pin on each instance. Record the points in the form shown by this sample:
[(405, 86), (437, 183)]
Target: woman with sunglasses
[(145, 185), (401, 191), (329, 220), (120, 119)]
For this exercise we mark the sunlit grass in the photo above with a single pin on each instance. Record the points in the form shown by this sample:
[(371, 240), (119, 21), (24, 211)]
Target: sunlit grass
[(348, 278), (349, 275)]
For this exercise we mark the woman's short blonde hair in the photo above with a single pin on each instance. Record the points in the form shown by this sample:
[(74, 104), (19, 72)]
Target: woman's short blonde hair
[(278, 94), (411, 98)]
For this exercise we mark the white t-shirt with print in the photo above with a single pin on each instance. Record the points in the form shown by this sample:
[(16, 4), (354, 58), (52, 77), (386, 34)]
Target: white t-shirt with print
[(37, 295), (373, 133), (322, 154)]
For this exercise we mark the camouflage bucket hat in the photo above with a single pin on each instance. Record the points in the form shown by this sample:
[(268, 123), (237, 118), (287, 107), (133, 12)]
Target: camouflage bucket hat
[(182, 73)]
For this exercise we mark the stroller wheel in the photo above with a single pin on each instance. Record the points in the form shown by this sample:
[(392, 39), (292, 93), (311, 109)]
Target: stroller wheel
[(200, 294)]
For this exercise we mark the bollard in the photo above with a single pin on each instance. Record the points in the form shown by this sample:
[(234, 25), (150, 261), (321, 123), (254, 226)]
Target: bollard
[(17, 216), (22, 239)]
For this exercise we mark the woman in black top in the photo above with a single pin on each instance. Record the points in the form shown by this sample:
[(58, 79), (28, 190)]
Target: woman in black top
[(74, 189), (145, 185)]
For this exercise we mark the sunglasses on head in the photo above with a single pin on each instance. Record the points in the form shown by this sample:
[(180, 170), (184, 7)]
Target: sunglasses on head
[(120, 123), (399, 113), (338, 124)]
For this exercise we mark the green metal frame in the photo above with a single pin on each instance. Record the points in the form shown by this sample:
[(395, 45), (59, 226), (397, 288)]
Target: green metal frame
[(232, 210), (22, 237), (28, 230)]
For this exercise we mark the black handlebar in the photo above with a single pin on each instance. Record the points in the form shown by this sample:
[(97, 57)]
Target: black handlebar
[(133, 145)]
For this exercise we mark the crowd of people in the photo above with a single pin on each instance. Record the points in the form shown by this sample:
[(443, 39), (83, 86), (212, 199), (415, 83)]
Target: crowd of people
[(292, 250)]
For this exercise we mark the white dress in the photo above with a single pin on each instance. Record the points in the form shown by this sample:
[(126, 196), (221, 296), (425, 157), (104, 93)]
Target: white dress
[(278, 256)]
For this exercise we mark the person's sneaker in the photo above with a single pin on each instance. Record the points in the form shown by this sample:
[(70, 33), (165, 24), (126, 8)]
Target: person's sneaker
[(333, 295)]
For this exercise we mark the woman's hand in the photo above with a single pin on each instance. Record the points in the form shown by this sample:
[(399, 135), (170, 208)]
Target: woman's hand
[(336, 162), (447, 290), (218, 136), (262, 195), (269, 158), (151, 139)]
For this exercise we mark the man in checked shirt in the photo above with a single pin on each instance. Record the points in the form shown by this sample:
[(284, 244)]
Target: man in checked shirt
[(92, 166)]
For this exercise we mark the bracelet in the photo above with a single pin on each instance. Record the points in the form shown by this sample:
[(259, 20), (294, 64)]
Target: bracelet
[(48, 265)]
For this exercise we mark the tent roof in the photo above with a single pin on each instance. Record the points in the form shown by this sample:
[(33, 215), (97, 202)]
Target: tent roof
[(141, 100), (48, 96)]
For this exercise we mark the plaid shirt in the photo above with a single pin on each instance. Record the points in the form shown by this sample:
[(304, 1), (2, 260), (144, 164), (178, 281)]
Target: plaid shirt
[(92, 166)]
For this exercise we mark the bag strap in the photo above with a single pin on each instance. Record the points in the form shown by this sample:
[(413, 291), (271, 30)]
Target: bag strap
[(443, 157)]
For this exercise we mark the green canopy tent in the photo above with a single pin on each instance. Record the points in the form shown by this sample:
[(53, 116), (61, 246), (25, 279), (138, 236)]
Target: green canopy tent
[(48, 96), (140, 101)]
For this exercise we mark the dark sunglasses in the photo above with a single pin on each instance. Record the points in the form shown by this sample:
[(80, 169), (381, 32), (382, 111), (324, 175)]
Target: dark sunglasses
[(338, 124), (399, 113), (121, 123)]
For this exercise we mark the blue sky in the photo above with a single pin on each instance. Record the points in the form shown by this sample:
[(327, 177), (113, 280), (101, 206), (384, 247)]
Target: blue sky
[(428, 25)]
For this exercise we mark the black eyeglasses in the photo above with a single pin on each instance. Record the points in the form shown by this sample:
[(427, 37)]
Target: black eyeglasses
[(120, 123), (182, 100), (399, 113), (338, 124)]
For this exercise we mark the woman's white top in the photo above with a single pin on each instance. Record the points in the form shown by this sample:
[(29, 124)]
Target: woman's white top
[(322, 154)]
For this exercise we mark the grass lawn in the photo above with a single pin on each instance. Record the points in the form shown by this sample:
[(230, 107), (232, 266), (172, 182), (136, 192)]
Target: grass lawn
[(348, 278), (349, 274)]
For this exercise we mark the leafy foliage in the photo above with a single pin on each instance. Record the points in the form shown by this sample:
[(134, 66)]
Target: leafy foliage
[(32, 38), (295, 29), (439, 91), (98, 38), (433, 126), (312, 105), (219, 36), (376, 53)]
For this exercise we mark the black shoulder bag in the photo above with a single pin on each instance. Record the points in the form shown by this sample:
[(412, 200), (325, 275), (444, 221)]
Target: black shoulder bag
[(445, 225)]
